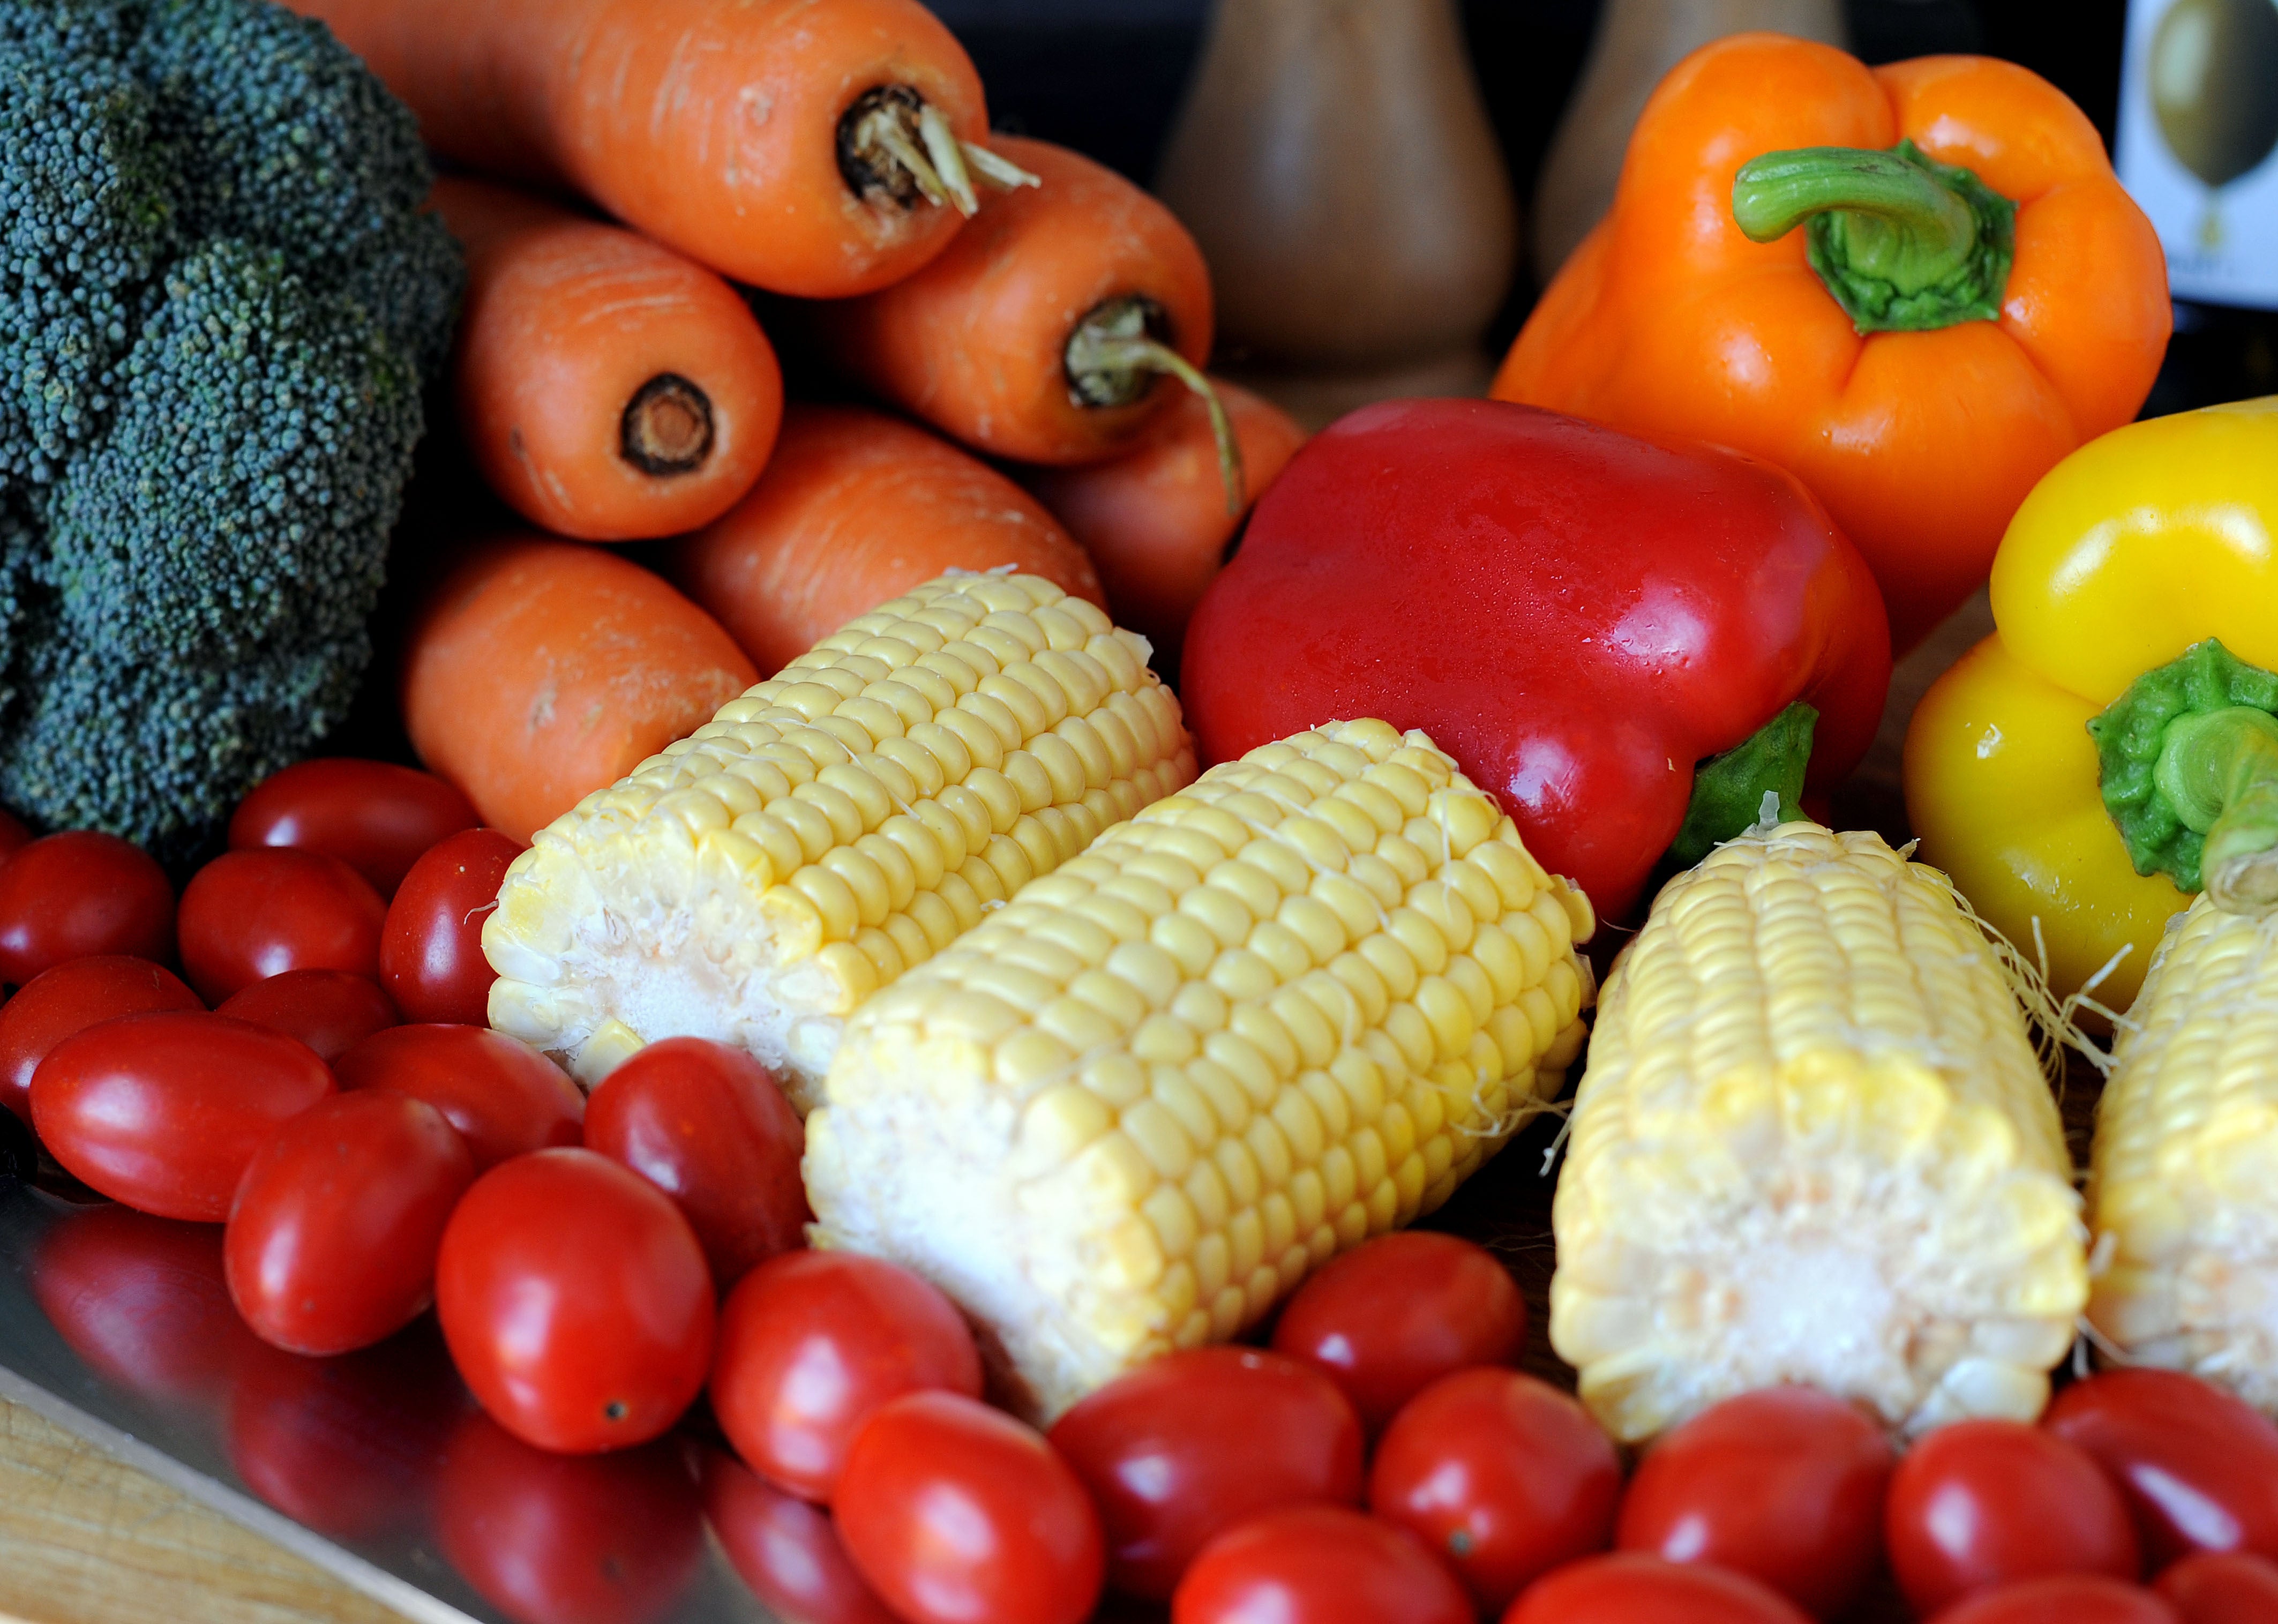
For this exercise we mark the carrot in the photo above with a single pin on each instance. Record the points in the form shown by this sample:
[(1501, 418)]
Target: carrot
[(607, 388), (537, 671), (1154, 519), (855, 509), (1041, 333), (808, 148)]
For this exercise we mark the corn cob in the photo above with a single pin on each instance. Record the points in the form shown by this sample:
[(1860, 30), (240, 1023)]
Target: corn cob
[(2181, 1190), (1812, 1143), (1286, 1010), (832, 827)]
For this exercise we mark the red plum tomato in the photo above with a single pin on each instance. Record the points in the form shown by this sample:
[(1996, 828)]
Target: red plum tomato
[(73, 996), (812, 1342), (1185, 1447), (710, 1126), (1629, 1586), (165, 1111), (1318, 1565), (248, 916), (334, 1233), (2223, 1587), (575, 1301), (568, 1539), (1785, 1485), (504, 1096), (2062, 1598), (143, 1301), (1502, 1475), (430, 952), (786, 1550), (375, 817), (2197, 1466), (1982, 1504), (1389, 1318), (957, 1513), (330, 1010), (80, 894)]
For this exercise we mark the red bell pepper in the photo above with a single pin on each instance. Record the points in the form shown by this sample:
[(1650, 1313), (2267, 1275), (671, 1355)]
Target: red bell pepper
[(1578, 616)]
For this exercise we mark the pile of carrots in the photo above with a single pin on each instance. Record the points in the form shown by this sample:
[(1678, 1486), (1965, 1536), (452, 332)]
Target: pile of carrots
[(1028, 328)]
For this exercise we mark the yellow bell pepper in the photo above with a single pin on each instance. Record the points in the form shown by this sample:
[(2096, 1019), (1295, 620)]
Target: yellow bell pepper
[(2128, 685)]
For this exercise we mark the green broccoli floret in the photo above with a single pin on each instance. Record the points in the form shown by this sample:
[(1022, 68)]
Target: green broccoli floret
[(219, 301)]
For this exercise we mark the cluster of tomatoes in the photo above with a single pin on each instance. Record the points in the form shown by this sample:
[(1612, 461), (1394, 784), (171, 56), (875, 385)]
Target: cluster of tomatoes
[(319, 1080)]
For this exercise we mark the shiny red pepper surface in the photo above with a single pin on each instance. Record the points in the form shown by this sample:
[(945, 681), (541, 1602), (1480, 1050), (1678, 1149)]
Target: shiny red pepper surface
[(1576, 615)]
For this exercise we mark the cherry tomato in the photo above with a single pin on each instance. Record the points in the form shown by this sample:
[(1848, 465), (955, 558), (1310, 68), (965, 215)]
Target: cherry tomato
[(504, 1096), (1393, 1316), (2197, 1466), (431, 954), (333, 1233), (2223, 1587), (165, 1111), (71, 997), (351, 1446), (787, 1551), (1503, 1475), (1318, 1565), (2062, 1598), (710, 1126), (1982, 1504), (330, 1010), (563, 1539), (576, 1302), (1629, 1586), (80, 894), (13, 836), (142, 1300), (956, 1513), (1785, 1485), (375, 817), (248, 916), (812, 1342), (1187, 1446)]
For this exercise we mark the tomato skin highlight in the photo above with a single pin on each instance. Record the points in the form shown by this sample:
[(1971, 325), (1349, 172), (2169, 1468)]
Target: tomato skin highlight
[(576, 1302), (1979, 1505), (957, 1513), (2197, 1466), (144, 1301), (2223, 1587), (79, 893), (1318, 1565), (431, 948), (376, 816), (330, 1010), (248, 916), (165, 1111), (70, 998), (2062, 1598), (786, 1550), (1785, 1485), (1503, 1475), (811, 1342), (334, 1229), (1192, 1443), (710, 1127), (1393, 1315), (504, 1097), (1629, 1586)]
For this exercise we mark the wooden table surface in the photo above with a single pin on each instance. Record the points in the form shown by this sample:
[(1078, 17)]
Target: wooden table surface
[(87, 1539)]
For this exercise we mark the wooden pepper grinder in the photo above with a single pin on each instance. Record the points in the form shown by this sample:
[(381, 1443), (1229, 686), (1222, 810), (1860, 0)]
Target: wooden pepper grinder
[(1334, 162)]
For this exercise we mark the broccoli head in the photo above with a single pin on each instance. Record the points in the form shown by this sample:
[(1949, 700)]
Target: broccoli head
[(220, 299)]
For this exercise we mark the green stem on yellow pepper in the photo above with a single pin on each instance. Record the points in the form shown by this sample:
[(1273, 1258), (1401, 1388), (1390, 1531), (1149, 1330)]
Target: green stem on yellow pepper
[(2219, 769)]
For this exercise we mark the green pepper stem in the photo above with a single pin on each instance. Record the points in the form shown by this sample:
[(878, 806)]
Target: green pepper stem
[(2219, 770), (1729, 790)]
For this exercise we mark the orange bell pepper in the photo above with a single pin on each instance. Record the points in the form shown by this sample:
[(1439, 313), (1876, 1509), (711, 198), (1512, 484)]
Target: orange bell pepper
[(1997, 317)]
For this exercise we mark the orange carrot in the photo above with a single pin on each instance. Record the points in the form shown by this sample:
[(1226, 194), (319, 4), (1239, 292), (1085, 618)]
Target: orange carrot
[(855, 509), (1154, 520), (607, 388), (1041, 334), (805, 148), (537, 671)]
